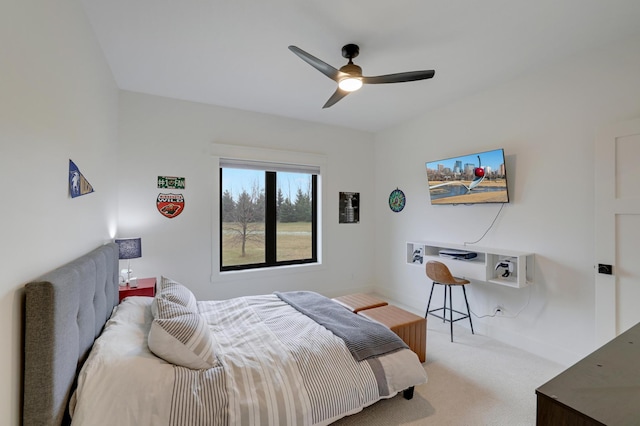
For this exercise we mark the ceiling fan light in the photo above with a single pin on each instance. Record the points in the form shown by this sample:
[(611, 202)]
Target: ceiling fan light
[(350, 84)]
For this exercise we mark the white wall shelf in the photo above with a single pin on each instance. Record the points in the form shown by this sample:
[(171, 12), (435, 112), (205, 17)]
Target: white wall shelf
[(480, 268)]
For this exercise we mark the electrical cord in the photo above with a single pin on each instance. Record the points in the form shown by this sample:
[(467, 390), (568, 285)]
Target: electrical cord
[(488, 229), (495, 314)]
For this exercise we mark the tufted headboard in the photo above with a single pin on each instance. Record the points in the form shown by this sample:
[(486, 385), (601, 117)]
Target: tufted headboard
[(65, 310)]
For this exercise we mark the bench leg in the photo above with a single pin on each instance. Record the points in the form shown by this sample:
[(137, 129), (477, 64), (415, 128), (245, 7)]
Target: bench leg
[(408, 393)]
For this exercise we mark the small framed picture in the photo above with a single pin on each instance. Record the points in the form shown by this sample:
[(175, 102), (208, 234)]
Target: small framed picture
[(349, 207)]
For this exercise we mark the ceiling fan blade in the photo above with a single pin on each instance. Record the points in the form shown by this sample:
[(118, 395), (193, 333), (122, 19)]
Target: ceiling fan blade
[(337, 95), (318, 64), (399, 77)]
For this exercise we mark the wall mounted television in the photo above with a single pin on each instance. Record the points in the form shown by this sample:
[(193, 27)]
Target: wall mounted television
[(469, 179)]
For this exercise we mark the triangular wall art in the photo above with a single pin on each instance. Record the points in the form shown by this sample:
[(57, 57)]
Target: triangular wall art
[(78, 185)]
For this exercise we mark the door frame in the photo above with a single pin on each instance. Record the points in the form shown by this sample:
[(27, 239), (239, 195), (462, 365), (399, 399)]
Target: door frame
[(607, 207)]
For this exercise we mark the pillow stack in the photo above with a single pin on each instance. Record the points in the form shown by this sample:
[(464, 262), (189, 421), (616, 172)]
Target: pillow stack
[(179, 334)]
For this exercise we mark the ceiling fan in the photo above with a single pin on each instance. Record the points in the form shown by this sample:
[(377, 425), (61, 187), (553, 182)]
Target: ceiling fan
[(349, 77)]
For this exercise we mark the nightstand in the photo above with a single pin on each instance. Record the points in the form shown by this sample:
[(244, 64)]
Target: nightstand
[(146, 287)]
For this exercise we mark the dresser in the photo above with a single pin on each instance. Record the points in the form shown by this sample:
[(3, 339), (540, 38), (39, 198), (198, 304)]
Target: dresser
[(601, 389)]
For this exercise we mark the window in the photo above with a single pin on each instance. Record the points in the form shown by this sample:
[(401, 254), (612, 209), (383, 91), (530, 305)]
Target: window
[(268, 214)]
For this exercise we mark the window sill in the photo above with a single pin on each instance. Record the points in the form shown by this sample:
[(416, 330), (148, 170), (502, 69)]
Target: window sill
[(272, 271)]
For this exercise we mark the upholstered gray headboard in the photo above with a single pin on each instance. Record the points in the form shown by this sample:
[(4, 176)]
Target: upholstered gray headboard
[(65, 310)]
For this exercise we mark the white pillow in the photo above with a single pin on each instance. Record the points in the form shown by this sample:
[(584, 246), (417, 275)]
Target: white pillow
[(181, 336), (183, 340)]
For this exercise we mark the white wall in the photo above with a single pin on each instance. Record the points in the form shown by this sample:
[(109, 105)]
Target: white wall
[(167, 137), (546, 122), (58, 101)]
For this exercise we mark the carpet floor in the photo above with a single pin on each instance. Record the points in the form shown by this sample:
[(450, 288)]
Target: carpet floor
[(474, 381)]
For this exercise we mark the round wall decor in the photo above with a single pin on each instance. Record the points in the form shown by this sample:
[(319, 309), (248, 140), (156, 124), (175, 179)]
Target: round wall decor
[(397, 200)]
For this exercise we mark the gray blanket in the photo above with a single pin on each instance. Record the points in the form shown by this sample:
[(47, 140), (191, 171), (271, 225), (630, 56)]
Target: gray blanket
[(364, 338)]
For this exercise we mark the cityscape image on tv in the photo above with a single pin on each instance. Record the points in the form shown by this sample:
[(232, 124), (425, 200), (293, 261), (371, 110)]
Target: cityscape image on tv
[(469, 179)]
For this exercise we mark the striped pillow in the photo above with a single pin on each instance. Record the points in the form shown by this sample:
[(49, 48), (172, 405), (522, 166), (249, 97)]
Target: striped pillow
[(181, 337), (174, 292), (178, 293), (165, 308)]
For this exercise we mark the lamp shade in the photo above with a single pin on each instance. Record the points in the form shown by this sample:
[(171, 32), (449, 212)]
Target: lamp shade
[(129, 248)]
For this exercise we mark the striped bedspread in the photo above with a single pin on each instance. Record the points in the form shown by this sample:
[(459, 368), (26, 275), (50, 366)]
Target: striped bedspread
[(275, 367), (275, 373), (364, 338)]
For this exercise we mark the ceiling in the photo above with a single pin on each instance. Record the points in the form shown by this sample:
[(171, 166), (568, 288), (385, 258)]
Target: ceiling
[(234, 53)]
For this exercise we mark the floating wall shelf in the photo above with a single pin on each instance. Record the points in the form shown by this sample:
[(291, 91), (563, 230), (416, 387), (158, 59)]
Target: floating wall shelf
[(480, 268)]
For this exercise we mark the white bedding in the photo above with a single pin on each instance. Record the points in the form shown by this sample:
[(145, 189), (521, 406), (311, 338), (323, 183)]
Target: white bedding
[(274, 366)]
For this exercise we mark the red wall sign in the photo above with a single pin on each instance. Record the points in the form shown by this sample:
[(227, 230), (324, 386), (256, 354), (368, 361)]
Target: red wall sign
[(170, 205)]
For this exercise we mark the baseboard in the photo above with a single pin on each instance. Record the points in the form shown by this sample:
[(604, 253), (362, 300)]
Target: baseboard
[(531, 345), (517, 340)]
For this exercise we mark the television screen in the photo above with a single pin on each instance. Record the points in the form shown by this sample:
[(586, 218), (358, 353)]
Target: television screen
[(469, 179)]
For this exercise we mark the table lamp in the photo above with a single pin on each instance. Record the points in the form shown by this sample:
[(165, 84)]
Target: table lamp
[(129, 248)]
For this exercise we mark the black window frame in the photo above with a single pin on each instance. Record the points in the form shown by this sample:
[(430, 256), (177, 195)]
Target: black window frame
[(271, 226)]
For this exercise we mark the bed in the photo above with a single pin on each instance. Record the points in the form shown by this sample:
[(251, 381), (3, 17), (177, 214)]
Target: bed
[(174, 360)]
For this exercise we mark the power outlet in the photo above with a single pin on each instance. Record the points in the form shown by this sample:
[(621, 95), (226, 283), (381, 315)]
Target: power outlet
[(498, 310)]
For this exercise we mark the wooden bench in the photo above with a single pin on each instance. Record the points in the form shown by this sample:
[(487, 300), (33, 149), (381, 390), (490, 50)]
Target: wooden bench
[(412, 329), (359, 301)]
